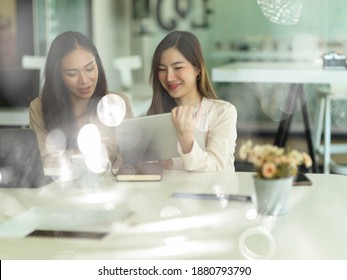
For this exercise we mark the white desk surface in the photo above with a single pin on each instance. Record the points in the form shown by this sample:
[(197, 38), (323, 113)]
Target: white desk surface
[(163, 227), (277, 72)]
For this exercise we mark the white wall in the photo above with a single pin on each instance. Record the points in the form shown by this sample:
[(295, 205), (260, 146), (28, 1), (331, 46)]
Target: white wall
[(111, 34)]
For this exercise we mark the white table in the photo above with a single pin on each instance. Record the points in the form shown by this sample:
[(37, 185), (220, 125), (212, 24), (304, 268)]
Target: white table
[(277, 72), (294, 73), (258, 55), (163, 227)]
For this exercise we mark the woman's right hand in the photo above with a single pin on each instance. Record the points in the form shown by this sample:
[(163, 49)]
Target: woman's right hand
[(183, 119)]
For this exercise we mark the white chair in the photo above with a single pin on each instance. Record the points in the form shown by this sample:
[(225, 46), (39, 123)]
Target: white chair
[(125, 65), (139, 93), (324, 148)]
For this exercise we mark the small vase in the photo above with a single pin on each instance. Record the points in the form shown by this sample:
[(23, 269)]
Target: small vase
[(272, 195)]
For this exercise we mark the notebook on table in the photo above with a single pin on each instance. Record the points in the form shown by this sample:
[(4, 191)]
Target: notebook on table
[(20, 159), (148, 171), (147, 139)]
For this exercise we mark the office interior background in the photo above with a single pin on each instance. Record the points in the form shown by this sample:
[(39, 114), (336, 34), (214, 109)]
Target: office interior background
[(229, 30)]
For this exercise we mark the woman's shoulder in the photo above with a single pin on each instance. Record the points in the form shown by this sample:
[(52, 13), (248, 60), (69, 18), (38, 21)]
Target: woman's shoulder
[(35, 112), (219, 104), (36, 103)]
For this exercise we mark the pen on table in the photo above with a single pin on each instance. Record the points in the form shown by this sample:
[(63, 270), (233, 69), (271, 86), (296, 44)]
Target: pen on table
[(236, 197)]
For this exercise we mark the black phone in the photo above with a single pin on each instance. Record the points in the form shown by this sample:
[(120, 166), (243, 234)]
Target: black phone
[(302, 180)]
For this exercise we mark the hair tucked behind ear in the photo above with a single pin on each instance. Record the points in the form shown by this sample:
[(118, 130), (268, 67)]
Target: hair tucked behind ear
[(189, 46)]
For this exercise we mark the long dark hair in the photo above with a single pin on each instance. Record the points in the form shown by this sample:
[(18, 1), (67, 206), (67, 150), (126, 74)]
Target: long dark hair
[(56, 103), (189, 46)]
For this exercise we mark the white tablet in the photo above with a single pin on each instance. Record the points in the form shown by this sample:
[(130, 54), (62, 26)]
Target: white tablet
[(150, 138)]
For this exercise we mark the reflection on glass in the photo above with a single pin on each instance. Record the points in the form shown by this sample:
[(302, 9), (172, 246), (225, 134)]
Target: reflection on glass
[(170, 211), (56, 142), (286, 12), (307, 47), (95, 154), (257, 243), (274, 100), (338, 110), (111, 110)]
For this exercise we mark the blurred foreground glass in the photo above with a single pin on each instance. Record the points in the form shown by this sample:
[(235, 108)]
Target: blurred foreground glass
[(257, 243)]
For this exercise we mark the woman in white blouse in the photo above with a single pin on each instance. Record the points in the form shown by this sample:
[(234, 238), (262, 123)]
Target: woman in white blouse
[(181, 85)]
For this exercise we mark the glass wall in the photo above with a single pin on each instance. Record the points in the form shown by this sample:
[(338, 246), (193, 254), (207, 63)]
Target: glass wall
[(53, 17), (229, 30)]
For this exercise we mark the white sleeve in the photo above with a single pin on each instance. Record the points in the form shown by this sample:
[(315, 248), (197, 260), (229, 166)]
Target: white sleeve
[(220, 147)]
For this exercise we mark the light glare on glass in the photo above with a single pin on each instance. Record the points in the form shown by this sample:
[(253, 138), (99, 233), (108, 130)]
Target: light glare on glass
[(90, 145), (111, 110)]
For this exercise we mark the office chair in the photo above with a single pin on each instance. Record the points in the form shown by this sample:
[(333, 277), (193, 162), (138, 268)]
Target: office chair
[(324, 148)]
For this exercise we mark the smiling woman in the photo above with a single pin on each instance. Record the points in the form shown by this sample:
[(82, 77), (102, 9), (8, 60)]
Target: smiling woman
[(75, 85), (181, 85)]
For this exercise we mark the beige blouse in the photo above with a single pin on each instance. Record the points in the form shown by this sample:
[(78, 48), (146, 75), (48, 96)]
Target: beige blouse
[(52, 155), (217, 118)]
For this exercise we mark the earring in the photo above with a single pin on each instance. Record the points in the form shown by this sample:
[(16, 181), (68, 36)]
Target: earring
[(198, 77)]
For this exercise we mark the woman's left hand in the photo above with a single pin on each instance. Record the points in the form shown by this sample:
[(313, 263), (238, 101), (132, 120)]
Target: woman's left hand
[(183, 119)]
